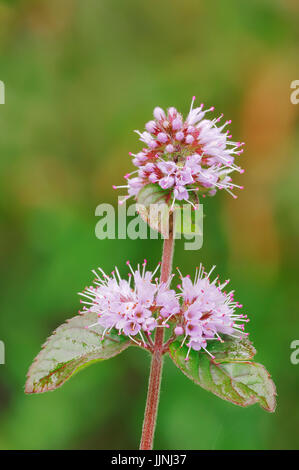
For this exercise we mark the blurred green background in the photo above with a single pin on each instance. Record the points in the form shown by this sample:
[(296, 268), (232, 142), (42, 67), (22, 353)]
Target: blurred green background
[(80, 76)]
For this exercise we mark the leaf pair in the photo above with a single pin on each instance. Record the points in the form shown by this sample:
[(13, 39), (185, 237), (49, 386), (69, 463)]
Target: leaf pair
[(231, 375)]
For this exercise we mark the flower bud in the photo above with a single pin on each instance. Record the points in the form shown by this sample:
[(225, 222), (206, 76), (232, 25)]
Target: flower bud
[(159, 113)]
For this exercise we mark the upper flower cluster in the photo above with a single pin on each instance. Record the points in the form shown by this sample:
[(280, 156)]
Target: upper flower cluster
[(185, 155), (199, 312)]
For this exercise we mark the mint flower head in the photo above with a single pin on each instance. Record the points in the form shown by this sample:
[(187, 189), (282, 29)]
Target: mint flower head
[(130, 306), (200, 311), (207, 311), (183, 156)]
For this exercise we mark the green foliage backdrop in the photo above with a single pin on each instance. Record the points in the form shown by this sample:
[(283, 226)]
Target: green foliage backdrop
[(79, 77)]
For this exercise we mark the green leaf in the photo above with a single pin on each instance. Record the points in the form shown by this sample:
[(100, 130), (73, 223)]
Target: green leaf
[(230, 375), (154, 204), (231, 350), (71, 348)]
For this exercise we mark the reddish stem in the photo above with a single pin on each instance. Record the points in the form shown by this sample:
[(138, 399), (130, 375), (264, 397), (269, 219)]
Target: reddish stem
[(152, 401)]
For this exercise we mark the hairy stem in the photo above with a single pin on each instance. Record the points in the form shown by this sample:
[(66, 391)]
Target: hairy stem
[(152, 401)]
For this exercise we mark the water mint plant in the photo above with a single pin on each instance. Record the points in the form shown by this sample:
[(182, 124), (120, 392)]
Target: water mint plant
[(196, 321)]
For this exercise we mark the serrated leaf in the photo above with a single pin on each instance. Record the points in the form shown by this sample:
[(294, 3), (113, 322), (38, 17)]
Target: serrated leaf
[(71, 348), (231, 375), (154, 204)]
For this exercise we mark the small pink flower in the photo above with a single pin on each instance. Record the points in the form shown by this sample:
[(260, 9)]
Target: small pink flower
[(177, 123), (159, 114), (179, 330), (189, 139), (134, 186), (169, 148), (166, 182), (179, 136), (162, 137), (150, 126)]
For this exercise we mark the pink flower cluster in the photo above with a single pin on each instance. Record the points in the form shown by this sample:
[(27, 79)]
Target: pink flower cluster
[(199, 312), (129, 308), (207, 311), (182, 156)]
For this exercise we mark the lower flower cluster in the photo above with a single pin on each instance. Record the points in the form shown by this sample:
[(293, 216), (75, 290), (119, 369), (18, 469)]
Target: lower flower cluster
[(200, 311)]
